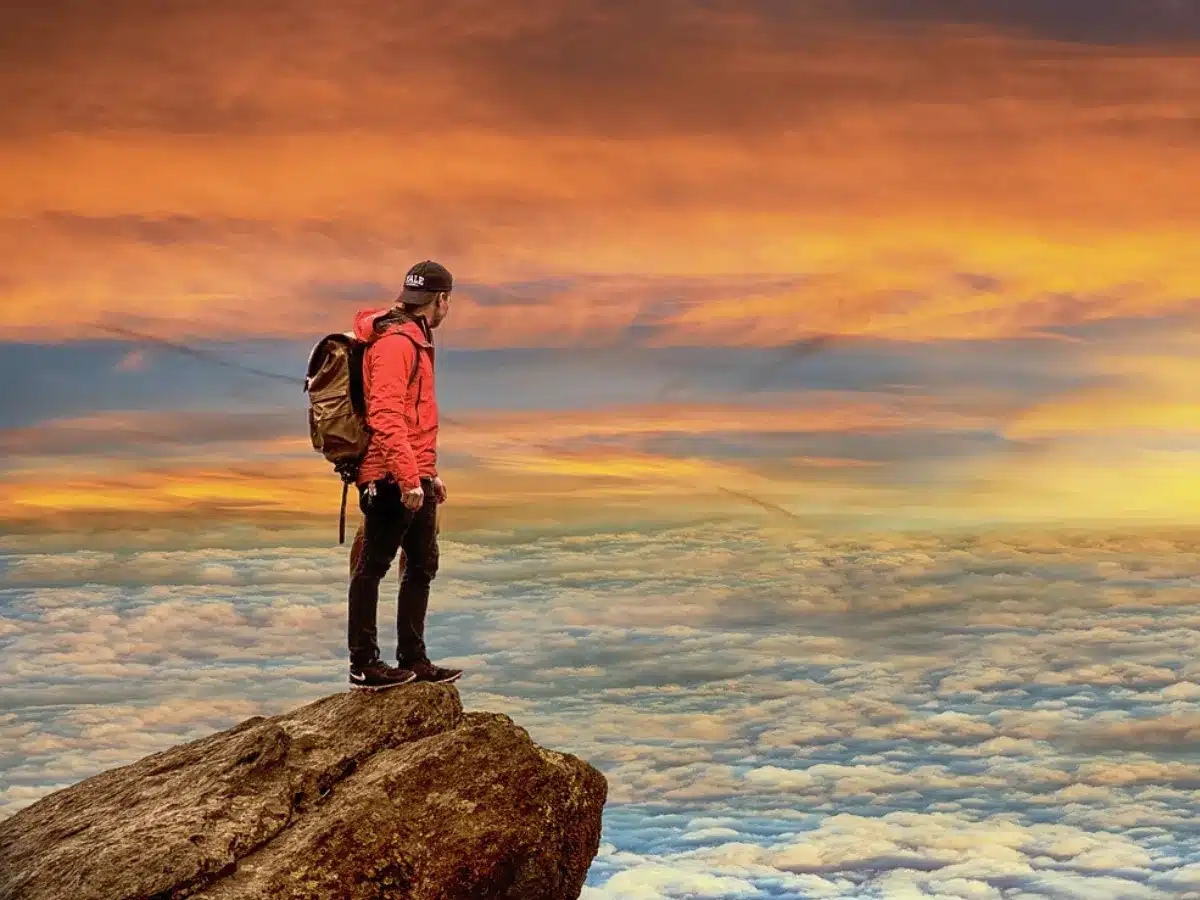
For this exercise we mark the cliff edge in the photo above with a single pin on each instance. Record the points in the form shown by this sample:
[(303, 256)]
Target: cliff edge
[(398, 795)]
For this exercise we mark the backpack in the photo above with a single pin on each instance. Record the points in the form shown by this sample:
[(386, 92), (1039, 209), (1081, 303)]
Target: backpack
[(337, 407)]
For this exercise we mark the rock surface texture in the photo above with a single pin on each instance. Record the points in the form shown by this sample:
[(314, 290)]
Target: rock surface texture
[(392, 796)]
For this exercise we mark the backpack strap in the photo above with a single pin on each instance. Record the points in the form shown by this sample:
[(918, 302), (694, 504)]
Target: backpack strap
[(342, 517)]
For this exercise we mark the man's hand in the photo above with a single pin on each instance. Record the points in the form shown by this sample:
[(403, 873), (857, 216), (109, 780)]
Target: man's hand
[(414, 498), (439, 490)]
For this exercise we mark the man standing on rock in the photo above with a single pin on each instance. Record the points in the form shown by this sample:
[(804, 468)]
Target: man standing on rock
[(398, 485)]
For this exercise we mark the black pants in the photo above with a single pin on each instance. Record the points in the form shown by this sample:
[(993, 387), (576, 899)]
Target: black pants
[(387, 526)]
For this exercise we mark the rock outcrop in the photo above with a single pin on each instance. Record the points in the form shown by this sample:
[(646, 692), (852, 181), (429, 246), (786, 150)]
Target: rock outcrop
[(392, 796)]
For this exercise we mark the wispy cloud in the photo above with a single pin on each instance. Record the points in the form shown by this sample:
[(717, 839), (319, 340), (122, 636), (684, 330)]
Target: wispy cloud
[(133, 361)]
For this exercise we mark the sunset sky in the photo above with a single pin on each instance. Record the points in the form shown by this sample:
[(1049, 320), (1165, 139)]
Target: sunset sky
[(800, 274), (995, 206)]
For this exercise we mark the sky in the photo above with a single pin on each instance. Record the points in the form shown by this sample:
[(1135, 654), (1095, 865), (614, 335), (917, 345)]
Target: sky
[(783, 334), (992, 208)]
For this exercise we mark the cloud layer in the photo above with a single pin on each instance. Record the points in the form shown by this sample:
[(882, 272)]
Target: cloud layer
[(872, 715)]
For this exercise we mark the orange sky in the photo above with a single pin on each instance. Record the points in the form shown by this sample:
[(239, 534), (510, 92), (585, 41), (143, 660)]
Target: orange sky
[(880, 164), (729, 175)]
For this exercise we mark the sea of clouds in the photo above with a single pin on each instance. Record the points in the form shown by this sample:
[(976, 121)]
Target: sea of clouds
[(778, 715)]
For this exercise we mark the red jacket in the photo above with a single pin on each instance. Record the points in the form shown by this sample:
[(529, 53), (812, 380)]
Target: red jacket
[(403, 418)]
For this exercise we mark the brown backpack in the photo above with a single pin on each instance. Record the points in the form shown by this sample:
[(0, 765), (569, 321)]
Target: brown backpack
[(337, 408)]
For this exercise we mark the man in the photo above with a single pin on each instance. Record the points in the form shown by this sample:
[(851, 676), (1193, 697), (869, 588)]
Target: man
[(398, 484)]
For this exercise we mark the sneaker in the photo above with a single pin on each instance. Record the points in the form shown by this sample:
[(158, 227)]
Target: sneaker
[(427, 671), (378, 675)]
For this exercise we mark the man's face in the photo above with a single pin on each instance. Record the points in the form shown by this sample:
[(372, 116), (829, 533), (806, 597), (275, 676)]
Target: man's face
[(441, 308)]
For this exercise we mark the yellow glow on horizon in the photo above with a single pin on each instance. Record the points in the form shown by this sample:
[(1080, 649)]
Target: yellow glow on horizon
[(1138, 485)]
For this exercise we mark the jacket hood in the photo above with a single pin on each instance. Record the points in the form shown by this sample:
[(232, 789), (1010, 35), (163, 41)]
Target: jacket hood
[(364, 326)]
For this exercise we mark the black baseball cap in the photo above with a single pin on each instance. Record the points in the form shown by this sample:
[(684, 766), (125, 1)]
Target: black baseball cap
[(423, 279)]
